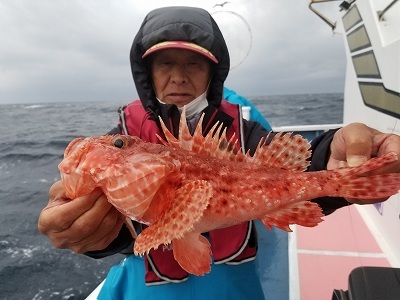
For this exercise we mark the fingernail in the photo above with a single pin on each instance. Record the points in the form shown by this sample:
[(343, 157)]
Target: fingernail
[(357, 160)]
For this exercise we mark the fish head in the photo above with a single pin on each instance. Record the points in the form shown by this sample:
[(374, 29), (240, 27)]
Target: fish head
[(87, 159)]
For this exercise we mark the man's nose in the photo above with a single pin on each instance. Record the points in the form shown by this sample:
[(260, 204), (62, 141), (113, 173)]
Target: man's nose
[(179, 75)]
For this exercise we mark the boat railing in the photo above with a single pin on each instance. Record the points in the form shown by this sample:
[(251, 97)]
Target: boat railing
[(345, 5), (307, 131), (381, 13), (320, 15)]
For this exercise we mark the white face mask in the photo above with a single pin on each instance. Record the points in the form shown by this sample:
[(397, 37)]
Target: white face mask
[(196, 106)]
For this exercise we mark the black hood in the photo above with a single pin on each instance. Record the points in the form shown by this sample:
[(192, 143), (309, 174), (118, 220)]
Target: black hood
[(189, 24)]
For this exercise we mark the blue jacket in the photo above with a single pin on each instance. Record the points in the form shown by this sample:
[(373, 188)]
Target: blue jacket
[(255, 115)]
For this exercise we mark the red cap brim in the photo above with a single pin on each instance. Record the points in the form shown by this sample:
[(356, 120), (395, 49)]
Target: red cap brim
[(180, 45)]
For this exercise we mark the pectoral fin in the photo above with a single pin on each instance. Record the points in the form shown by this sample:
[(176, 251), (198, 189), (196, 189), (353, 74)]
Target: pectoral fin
[(132, 190), (193, 253), (186, 208)]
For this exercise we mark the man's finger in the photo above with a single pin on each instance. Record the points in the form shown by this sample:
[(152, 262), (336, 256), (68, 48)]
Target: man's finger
[(358, 144)]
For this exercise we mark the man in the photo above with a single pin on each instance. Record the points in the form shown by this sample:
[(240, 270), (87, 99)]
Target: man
[(179, 57)]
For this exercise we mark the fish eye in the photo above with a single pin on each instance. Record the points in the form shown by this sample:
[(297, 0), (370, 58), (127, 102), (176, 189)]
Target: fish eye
[(119, 143)]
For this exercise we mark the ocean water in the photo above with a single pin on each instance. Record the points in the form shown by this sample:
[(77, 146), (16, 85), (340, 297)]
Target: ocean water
[(32, 141)]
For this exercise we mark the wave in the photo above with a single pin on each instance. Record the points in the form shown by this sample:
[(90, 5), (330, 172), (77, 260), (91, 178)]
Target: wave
[(30, 157), (34, 106), (27, 150)]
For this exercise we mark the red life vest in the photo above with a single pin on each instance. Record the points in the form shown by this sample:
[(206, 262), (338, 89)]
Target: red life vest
[(229, 245)]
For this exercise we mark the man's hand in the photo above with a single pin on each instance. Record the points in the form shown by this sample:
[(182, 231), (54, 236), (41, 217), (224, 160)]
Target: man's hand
[(86, 223), (356, 143)]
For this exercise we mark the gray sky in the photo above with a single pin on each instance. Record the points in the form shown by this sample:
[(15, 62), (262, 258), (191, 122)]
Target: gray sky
[(78, 50)]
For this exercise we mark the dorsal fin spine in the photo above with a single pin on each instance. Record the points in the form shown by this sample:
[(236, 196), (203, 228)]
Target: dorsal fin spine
[(214, 144)]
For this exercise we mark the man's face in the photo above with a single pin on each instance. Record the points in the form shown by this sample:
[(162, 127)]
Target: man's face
[(179, 76)]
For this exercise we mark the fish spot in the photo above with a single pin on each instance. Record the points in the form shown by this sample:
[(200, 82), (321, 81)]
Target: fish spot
[(303, 149), (359, 185), (192, 209)]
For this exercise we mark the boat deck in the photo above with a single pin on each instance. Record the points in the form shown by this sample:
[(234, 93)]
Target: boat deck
[(327, 253), (310, 263)]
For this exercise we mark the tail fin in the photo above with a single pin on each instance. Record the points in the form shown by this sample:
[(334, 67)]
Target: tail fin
[(355, 183)]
